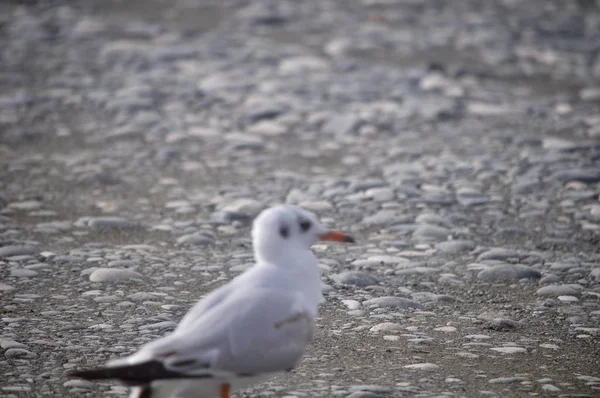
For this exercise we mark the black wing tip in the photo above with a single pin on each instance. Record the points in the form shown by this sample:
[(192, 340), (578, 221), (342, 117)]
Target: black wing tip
[(88, 374)]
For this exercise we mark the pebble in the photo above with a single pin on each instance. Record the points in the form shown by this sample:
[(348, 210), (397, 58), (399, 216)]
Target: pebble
[(550, 388), (392, 302), (508, 272), (503, 324), (422, 366), (114, 275), (23, 273), (9, 343), (507, 380), (508, 350), (370, 388), (342, 125), (20, 353), (560, 290), (387, 327), (109, 222), (455, 246), (196, 239), (10, 251), (498, 254), (356, 278)]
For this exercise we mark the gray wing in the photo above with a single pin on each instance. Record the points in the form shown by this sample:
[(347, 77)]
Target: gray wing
[(260, 331)]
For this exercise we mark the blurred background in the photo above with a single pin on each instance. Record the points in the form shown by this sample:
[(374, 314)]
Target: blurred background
[(453, 139)]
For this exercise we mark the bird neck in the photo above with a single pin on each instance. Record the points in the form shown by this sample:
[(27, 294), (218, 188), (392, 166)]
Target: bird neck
[(300, 270)]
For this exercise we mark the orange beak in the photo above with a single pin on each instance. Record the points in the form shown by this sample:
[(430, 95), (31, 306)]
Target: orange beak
[(337, 236)]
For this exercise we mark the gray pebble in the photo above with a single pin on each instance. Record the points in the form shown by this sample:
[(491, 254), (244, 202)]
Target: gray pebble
[(196, 239), (370, 388), (109, 222), (498, 254), (6, 343), (355, 278), (20, 353), (385, 218), (503, 324), (431, 233), (113, 275), (508, 272), (9, 251), (549, 279), (589, 176), (506, 380), (560, 290), (456, 246), (342, 124), (23, 273), (392, 302), (363, 394)]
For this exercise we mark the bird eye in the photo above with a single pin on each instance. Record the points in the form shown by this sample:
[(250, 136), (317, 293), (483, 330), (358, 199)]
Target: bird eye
[(284, 232), (305, 225)]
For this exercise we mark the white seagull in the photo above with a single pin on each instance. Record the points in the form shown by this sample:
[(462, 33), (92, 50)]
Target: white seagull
[(258, 324)]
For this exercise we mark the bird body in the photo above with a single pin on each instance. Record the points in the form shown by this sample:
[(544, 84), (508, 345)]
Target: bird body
[(244, 332)]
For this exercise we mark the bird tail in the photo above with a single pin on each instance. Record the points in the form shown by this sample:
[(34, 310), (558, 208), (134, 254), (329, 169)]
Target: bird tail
[(131, 374), (135, 374)]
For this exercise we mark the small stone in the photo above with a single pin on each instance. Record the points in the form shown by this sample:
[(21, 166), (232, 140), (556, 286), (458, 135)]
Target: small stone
[(23, 273), (508, 350), (392, 302), (371, 388), (6, 288), (303, 64), (446, 329), (363, 394), (249, 207), (196, 239), (498, 254), (560, 290), (568, 299), (506, 380), (431, 233), (25, 205), (477, 337), (109, 223), (9, 343), (20, 353), (351, 304), (456, 246), (342, 124), (317, 206), (10, 251), (550, 388), (589, 176), (387, 327), (79, 384), (550, 346), (113, 275), (356, 278), (508, 272), (385, 218), (503, 324), (422, 366), (549, 279)]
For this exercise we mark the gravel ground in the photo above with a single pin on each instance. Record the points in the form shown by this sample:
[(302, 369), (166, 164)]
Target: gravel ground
[(459, 142)]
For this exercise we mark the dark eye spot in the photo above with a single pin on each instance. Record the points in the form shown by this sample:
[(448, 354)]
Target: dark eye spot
[(305, 225), (284, 232)]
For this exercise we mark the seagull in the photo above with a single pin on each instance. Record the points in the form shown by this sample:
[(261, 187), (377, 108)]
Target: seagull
[(244, 332)]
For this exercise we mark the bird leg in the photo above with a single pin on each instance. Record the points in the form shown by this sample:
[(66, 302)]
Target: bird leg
[(224, 390)]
